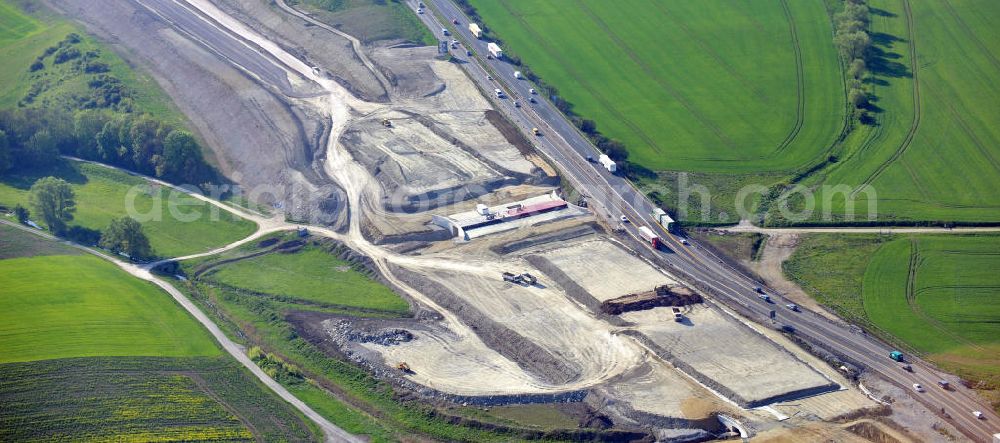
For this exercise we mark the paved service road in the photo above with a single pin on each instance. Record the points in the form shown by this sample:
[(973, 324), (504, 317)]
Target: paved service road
[(611, 196)]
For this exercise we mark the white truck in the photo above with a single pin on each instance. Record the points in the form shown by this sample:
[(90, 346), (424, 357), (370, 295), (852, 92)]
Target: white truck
[(517, 75), (475, 30), (498, 92), (608, 163)]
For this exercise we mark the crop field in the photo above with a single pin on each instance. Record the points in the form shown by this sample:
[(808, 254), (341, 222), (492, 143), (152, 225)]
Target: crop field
[(77, 306), (934, 152), (696, 86), (16, 243), (141, 399), (936, 294), (103, 194), (13, 24), (312, 274)]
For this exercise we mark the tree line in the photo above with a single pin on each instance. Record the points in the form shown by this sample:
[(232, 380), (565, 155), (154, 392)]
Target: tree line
[(99, 125), (853, 42), (33, 138), (54, 202)]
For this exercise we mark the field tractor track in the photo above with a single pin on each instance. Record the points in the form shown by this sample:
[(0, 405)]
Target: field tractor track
[(968, 31), (607, 104), (967, 130), (915, 123), (911, 298), (800, 103), (723, 137), (715, 55)]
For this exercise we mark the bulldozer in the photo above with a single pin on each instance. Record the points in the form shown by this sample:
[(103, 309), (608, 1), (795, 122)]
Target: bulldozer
[(405, 368)]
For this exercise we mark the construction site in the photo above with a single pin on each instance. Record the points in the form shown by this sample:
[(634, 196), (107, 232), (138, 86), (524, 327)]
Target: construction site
[(518, 296)]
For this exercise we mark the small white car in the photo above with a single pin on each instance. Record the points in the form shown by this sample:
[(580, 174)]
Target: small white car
[(917, 387), (979, 415), (624, 219), (685, 242), (793, 307)]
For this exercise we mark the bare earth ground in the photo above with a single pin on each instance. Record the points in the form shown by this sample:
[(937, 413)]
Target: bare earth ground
[(777, 249), (272, 121)]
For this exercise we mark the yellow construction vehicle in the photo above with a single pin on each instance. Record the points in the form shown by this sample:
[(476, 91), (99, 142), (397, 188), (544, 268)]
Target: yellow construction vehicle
[(402, 366), (535, 131)]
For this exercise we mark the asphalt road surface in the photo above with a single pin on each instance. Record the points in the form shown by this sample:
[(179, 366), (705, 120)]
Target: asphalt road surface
[(611, 196)]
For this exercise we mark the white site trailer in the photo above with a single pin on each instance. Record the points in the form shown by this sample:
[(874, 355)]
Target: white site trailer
[(607, 162), (495, 50), (475, 30)]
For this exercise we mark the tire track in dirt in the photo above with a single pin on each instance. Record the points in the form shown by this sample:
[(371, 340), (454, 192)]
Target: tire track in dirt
[(915, 123), (799, 80)]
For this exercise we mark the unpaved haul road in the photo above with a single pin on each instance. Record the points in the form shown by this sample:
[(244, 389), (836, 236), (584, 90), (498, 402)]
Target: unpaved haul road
[(568, 148), (331, 431)]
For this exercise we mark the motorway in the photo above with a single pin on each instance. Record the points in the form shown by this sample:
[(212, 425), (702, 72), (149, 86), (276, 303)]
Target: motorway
[(612, 196)]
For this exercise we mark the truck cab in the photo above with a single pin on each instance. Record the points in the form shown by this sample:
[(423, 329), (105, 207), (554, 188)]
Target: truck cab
[(896, 355)]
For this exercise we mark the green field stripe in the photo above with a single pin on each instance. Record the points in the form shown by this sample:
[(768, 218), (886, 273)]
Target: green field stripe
[(915, 123), (964, 126), (800, 102), (726, 66), (660, 81), (971, 35), (594, 90)]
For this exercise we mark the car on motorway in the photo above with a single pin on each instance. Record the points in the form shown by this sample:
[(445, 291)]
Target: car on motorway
[(979, 415), (420, 10), (624, 219), (468, 53), (532, 91), (498, 92), (944, 384), (907, 368), (764, 297), (489, 77), (454, 21), (445, 31), (685, 242), (793, 307), (517, 104), (758, 289), (917, 387)]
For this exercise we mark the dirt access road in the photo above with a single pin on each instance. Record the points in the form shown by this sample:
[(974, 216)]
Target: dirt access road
[(332, 432)]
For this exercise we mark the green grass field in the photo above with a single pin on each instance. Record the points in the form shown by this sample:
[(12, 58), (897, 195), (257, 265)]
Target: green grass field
[(23, 38), (78, 306), (727, 89), (696, 86), (313, 275), (91, 353), (370, 20), (14, 25), (935, 293), (103, 194), (935, 151)]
